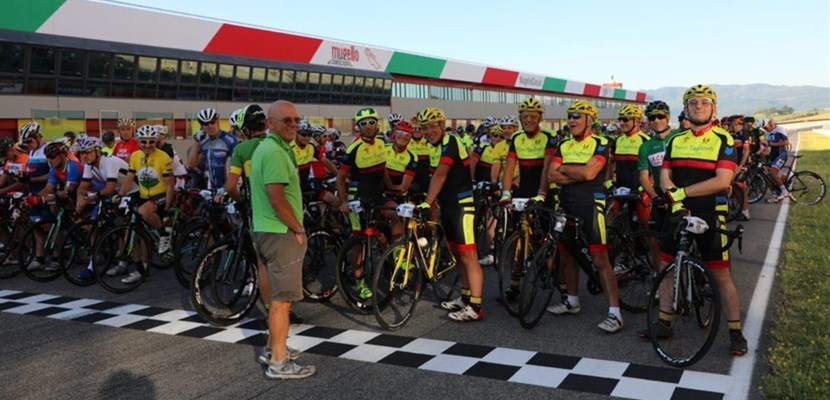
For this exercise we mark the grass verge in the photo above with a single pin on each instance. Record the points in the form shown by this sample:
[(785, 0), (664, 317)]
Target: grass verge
[(800, 353)]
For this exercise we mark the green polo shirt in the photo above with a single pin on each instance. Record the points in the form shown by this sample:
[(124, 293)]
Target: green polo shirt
[(273, 162)]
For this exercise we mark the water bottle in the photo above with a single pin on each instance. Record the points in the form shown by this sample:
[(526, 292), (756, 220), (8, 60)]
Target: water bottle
[(422, 242)]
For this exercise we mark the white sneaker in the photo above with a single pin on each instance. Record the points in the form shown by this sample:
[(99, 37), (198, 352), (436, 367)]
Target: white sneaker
[(564, 308), (133, 277), (117, 270), (611, 324), (466, 314), (488, 260), (52, 266), (164, 244), (454, 304), (35, 265), (249, 288)]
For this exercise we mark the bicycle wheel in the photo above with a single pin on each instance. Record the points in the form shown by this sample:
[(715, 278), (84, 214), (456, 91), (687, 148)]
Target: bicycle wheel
[(319, 265), (512, 265), (76, 254), (191, 244), (635, 260), (539, 285), (396, 285), (502, 230), (756, 188), (49, 269), (9, 267), (695, 309), (806, 187), (357, 254), (735, 203), (223, 288), (445, 283), (119, 252)]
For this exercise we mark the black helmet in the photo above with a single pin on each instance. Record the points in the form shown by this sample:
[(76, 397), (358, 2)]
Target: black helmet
[(108, 136), (254, 118), (682, 116), (470, 128), (459, 130)]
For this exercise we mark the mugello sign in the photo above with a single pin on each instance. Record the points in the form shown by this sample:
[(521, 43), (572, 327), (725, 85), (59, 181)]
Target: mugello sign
[(348, 55)]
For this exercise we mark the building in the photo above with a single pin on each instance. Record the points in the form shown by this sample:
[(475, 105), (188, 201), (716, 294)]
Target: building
[(80, 64)]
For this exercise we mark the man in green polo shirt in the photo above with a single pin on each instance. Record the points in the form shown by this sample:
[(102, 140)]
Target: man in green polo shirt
[(650, 162), (276, 201)]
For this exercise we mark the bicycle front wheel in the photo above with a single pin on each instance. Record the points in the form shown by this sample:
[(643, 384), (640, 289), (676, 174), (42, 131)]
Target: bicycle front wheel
[(539, 285), (396, 285), (355, 268), (695, 310), (735, 203), (806, 187), (635, 260), (320, 264), (44, 271), (756, 188), (76, 254), (223, 287), (191, 244), (515, 258), (119, 259)]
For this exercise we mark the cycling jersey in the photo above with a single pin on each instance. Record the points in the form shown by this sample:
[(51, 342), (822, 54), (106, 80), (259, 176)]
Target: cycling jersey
[(242, 155), (758, 139), (580, 152), (109, 169), (178, 166), (459, 183), (318, 169), (421, 149), (150, 171), (483, 154), (400, 164), (37, 166), (125, 149), (216, 152), (651, 157), (66, 177), (694, 156), (365, 164), (107, 150), (305, 155), (530, 152), (467, 141), (742, 142), (16, 166), (776, 135), (626, 151)]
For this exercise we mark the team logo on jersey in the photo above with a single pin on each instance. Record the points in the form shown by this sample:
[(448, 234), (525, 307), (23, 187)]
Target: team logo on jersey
[(728, 151), (148, 177)]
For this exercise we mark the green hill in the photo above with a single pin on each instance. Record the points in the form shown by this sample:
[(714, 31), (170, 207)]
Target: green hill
[(746, 99)]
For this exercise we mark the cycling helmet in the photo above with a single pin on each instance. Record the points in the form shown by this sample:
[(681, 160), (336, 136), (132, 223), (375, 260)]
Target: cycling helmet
[(5, 144), (126, 121), (597, 126), (657, 107), (304, 126), (81, 135), (611, 128), (531, 104), (631, 111), (459, 130), (333, 133), (207, 115), (415, 120), (394, 118), (364, 113), (161, 130), (53, 149), (509, 120), (736, 118), (89, 143), (681, 116), (235, 119), (470, 128), (317, 130), (583, 107), (253, 118), (432, 114), (700, 91), (749, 119), (30, 130), (489, 121), (146, 132), (404, 126), (496, 129)]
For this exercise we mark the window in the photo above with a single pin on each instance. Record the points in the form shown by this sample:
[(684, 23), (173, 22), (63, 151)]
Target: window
[(124, 67), (241, 84), (301, 80), (98, 65), (123, 89), (207, 74), (243, 75), (11, 58), (314, 81), (325, 88), (358, 84), (72, 63), (287, 79), (147, 69), (387, 87), (168, 70), (348, 84), (42, 61), (189, 69), (225, 75)]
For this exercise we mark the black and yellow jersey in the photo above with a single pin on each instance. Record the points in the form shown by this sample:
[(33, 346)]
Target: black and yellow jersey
[(365, 162), (626, 152), (529, 151), (421, 148), (304, 156), (459, 184), (580, 152), (400, 164), (694, 156), (483, 154)]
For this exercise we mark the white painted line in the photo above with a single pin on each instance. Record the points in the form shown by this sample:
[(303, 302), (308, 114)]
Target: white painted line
[(741, 371), (6, 292)]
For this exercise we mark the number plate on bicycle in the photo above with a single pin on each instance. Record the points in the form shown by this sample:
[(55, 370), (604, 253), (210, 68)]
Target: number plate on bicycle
[(622, 191), (696, 225), (405, 210), (355, 206), (520, 204)]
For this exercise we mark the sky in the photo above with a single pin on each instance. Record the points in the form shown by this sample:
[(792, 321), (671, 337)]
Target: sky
[(643, 44)]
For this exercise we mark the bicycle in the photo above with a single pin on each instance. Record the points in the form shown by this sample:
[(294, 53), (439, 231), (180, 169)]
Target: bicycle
[(319, 263), (805, 187), (55, 228), (695, 298), (517, 251), (13, 225), (203, 229), (77, 252), (422, 252)]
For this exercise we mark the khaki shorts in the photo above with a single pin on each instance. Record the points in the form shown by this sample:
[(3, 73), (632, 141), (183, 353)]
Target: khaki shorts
[(283, 258)]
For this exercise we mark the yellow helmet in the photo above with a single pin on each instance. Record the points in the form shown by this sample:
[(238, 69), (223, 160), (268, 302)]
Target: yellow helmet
[(531, 104), (495, 129), (700, 91), (584, 107), (364, 113), (430, 115), (631, 111)]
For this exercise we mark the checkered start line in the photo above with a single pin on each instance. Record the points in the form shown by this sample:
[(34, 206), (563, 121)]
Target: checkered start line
[(582, 374)]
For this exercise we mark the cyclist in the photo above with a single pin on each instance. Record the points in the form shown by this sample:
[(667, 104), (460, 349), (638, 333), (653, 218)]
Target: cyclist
[(743, 143), (400, 162), (319, 168), (64, 176), (578, 167), (216, 149), (235, 121), (128, 144), (624, 160), (650, 161), (421, 148), (481, 164), (778, 143), (531, 149), (14, 166), (364, 165), (153, 170), (108, 139), (306, 154), (683, 121), (697, 170), (759, 140), (179, 170)]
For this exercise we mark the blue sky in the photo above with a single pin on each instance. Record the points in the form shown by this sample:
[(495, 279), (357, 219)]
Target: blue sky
[(643, 44)]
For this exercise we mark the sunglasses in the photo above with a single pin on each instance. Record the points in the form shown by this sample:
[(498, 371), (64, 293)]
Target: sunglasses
[(624, 119), (304, 134), (367, 122), (146, 142), (27, 141), (655, 117), (498, 136), (207, 123), (574, 116)]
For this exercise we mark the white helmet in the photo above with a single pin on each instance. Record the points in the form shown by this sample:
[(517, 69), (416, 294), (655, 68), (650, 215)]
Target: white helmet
[(394, 118), (304, 126), (89, 143), (206, 115), (161, 130), (146, 132), (30, 130), (236, 118), (509, 120), (489, 121), (333, 133)]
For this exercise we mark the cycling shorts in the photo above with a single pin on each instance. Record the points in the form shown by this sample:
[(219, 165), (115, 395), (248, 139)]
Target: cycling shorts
[(159, 201), (457, 219), (593, 222), (710, 244), (779, 161)]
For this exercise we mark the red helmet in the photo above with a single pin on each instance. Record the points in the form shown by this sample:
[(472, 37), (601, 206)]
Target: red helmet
[(404, 126)]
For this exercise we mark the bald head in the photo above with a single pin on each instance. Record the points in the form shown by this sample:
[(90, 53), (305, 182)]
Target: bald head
[(283, 120)]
